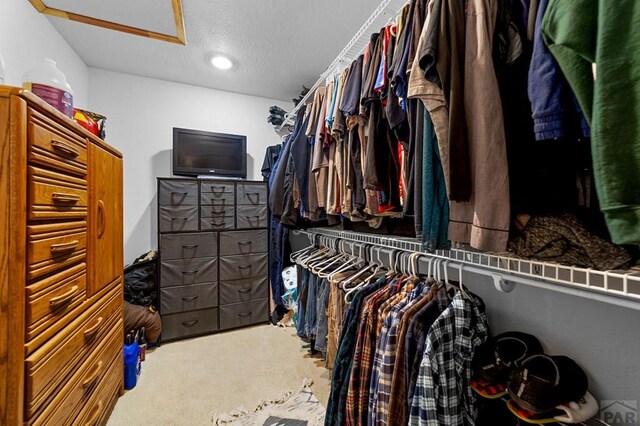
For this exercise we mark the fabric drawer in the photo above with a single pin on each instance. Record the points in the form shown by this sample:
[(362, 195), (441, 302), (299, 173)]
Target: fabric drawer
[(178, 193), (215, 193), (242, 314), (54, 195), (243, 242), (50, 300), (55, 246), (79, 389), (189, 323), (217, 212), (188, 271), (246, 266), (187, 246), (53, 146), (252, 217), (53, 363), (189, 298), (254, 194), (217, 223), (244, 290), (174, 219)]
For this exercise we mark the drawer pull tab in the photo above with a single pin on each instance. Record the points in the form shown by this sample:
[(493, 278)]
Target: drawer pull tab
[(189, 298), (59, 198), (65, 149), (190, 323), (56, 302), (57, 249), (218, 224), (179, 218), (94, 376), (245, 267), (244, 290), (221, 190), (244, 243), (102, 219), (97, 409), (179, 193), (90, 332), (189, 246), (218, 212), (195, 271), (245, 314), (256, 195)]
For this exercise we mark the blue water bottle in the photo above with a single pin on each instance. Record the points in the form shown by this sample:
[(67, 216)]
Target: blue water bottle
[(131, 350)]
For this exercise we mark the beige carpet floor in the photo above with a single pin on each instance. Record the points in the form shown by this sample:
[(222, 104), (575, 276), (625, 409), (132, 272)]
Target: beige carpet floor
[(186, 382)]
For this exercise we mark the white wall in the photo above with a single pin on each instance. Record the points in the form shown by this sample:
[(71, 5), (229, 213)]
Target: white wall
[(141, 113), (26, 37)]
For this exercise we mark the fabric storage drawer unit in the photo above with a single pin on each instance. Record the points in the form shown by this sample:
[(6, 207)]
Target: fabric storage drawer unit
[(61, 252), (208, 263)]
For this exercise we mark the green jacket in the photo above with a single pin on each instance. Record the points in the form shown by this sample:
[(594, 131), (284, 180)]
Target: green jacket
[(582, 32)]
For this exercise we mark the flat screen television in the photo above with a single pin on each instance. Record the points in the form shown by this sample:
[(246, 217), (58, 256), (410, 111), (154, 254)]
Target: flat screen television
[(198, 153)]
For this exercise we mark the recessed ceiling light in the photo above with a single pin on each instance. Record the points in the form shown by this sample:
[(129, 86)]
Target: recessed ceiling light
[(221, 62)]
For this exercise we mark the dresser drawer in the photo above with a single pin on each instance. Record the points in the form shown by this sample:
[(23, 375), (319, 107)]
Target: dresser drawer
[(55, 246), (217, 212), (188, 271), (254, 194), (53, 195), (49, 301), (51, 365), (219, 223), (178, 193), (217, 194), (189, 323), (246, 266), (187, 246), (189, 298), (252, 217), (244, 290), (243, 242), (242, 314), (79, 389), (176, 219), (98, 406), (55, 147)]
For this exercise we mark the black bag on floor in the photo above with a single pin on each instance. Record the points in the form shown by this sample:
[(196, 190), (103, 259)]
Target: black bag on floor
[(140, 281)]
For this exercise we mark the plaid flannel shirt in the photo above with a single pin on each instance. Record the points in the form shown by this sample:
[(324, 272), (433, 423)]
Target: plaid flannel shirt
[(443, 394)]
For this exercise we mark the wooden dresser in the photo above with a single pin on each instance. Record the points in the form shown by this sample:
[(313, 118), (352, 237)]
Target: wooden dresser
[(213, 255), (61, 251)]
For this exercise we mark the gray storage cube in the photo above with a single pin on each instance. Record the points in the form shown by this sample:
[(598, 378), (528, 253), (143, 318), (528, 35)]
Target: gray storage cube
[(243, 314), (176, 219), (190, 323), (252, 217), (244, 242), (244, 290), (254, 194), (178, 193), (186, 246), (240, 267), (188, 271), (188, 298)]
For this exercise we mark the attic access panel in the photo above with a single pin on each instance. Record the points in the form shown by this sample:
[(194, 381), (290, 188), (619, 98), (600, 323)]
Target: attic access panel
[(160, 20)]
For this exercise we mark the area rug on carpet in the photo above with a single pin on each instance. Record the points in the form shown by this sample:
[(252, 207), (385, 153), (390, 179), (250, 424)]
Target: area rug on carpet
[(299, 409)]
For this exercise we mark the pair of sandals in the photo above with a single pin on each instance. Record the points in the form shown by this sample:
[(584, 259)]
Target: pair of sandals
[(538, 388)]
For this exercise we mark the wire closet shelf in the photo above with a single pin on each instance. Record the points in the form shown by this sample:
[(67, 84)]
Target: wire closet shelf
[(382, 14), (621, 288)]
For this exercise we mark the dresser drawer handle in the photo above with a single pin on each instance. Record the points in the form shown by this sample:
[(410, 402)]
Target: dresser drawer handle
[(102, 219), (65, 149), (245, 314), (179, 193), (94, 376), (61, 198), (245, 267), (218, 202), (189, 246), (90, 332), (218, 224), (195, 271), (56, 302), (189, 298), (190, 323), (219, 212), (257, 216), (57, 249), (221, 189), (244, 290), (244, 243), (179, 218), (97, 409)]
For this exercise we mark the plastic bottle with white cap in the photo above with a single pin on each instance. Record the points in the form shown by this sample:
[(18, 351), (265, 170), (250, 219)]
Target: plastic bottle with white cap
[(50, 84)]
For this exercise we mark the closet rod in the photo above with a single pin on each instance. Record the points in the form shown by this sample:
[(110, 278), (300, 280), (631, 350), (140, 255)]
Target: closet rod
[(353, 48), (506, 272)]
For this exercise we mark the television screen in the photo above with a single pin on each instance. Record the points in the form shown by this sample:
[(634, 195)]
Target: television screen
[(206, 153)]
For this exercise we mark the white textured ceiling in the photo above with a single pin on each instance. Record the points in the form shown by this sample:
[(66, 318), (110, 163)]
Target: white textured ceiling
[(278, 45)]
